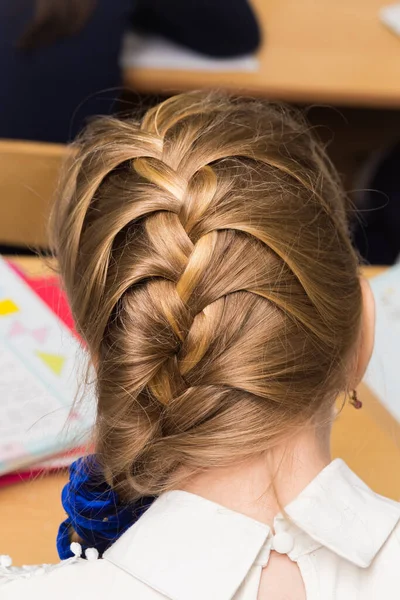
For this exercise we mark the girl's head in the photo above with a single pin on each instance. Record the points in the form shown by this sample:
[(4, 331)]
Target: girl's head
[(206, 256)]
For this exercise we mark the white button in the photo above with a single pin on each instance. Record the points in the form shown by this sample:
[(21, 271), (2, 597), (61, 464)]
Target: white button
[(91, 554), (76, 549), (5, 561), (283, 543)]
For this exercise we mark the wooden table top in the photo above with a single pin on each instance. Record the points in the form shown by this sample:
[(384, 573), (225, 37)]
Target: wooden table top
[(333, 51), (30, 512)]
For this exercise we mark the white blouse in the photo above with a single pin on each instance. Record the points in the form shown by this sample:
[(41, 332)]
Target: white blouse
[(344, 538)]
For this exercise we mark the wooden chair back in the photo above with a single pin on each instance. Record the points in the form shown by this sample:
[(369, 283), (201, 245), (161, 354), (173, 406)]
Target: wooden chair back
[(29, 173)]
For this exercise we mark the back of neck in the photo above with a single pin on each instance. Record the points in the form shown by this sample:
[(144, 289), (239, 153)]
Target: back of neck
[(261, 487)]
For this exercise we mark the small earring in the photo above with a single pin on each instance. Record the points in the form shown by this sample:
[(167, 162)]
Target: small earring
[(354, 401)]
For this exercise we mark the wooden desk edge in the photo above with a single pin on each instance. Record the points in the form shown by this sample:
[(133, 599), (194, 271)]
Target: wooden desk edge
[(167, 83)]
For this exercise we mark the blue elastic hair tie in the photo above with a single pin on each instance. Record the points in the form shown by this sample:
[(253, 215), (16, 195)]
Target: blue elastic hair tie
[(94, 509)]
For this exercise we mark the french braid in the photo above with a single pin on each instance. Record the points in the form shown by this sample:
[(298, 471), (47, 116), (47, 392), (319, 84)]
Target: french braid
[(205, 252)]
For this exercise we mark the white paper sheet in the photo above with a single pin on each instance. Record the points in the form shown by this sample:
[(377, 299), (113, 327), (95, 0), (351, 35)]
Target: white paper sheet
[(383, 374), (390, 16), (152, 52)]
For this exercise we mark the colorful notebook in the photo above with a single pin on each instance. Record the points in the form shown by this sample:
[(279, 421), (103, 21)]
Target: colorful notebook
[(43, 367)]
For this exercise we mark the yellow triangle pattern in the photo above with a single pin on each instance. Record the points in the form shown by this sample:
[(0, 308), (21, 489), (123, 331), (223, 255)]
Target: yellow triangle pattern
[(8, 307), (55, 362)]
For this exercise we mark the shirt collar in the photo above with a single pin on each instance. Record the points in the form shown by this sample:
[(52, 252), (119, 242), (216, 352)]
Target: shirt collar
[(186, 541), (338, 510)]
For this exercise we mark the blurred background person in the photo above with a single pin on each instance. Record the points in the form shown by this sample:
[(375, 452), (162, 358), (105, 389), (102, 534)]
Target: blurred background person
[(56, 56), (59, 59)]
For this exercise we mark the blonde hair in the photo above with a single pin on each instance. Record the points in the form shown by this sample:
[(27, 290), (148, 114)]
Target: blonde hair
[(206, 255)]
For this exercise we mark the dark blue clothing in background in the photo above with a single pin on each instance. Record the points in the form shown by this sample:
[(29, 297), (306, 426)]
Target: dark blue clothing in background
[(219, 28), (377, 234), (47, 94)]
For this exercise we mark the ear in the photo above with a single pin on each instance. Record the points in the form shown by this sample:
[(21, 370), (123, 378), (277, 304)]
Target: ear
[(367, 336)]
